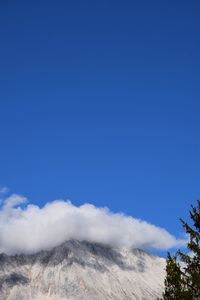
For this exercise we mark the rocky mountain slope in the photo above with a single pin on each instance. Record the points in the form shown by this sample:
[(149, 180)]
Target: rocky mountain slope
[(82, 271)]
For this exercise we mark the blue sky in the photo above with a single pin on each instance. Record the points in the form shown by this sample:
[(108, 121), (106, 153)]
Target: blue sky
[(99, 103)]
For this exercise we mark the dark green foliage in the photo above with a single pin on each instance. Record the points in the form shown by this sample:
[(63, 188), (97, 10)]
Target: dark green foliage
[(182, 280), (173, 285)]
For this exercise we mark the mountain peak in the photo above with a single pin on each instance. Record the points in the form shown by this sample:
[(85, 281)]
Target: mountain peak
[(81, 270)]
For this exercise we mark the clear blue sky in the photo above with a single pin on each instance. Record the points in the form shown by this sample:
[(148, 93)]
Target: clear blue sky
[(100, 103)]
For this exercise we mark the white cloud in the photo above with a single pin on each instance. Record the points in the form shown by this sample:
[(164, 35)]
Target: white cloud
[(3, 190), (31, 228)]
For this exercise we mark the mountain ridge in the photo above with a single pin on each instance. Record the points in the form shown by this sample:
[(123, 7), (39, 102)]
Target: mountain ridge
[(81, 270)]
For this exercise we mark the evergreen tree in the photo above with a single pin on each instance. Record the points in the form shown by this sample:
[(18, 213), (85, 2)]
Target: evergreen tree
[(183, 270), (173, 283)]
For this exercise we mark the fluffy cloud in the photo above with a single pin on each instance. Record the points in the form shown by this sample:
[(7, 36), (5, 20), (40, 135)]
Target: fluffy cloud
[(29, 228), (3, 190)]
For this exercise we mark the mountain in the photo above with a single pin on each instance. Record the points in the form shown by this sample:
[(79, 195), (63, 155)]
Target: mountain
[(82, 271)]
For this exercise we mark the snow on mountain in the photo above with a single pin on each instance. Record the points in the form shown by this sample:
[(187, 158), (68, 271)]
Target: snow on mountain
[(82, 271)]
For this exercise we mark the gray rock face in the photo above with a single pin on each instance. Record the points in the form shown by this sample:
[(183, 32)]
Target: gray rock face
[(82, 271)]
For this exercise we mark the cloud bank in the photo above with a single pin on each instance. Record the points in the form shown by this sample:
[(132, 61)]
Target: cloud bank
[(29, 228)]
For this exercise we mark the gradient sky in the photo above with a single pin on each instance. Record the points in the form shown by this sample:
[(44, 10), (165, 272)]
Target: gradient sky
[(100, 103)]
